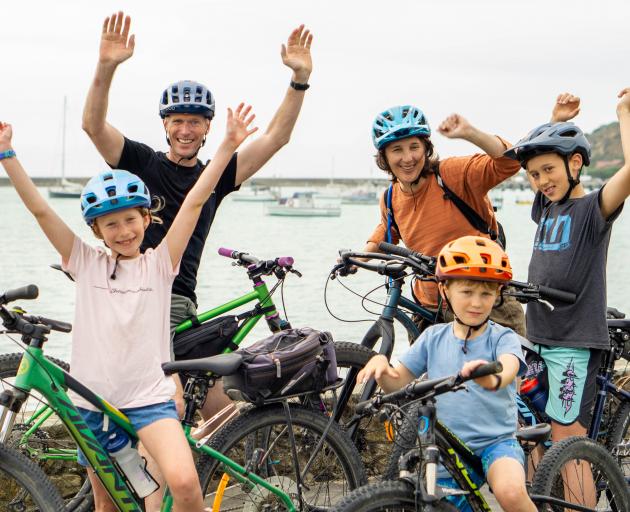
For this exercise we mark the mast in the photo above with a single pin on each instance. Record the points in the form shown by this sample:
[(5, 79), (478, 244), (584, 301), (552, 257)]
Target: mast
[(63, 141)]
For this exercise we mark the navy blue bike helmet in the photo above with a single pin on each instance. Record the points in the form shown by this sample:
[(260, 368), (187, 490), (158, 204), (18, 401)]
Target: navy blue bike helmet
[(187, 97)]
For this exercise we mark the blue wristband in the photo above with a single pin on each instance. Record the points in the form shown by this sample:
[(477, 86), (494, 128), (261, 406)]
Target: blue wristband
[(7, 154)]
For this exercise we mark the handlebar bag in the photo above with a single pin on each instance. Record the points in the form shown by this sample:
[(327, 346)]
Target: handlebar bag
[(205, 340), (289, 362)]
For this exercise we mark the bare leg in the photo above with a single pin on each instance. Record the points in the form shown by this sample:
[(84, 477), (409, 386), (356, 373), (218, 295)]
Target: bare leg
[(506, 478), (102, 501)]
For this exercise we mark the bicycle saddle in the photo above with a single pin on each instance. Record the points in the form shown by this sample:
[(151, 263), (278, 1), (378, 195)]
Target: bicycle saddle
[(534, 434), (222, 364)]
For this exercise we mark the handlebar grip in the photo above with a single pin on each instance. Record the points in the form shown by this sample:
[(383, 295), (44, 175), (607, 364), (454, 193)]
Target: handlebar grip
[(486, 369), (285, 261), (228, 253), (56, 325), (561, 295), (394, 249), (25, 292)]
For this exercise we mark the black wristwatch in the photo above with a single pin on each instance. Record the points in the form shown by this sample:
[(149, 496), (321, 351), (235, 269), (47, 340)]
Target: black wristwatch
[(299, 87)]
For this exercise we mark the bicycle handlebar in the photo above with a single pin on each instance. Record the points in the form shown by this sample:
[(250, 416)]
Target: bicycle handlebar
[(27, 292), (531, 292), (425, 388), (246, 259), (406, 253)]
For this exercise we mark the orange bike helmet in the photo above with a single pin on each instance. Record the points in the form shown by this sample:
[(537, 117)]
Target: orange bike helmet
[(473, 257)]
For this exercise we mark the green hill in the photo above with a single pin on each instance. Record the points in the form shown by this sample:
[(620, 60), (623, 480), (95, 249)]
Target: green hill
[(607, 155)]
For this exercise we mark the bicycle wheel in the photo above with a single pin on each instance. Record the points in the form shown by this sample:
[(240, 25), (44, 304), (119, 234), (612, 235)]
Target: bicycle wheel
[(23, 485), (371, 436), (50, 440), (617, 441), (580, 471), (258, 439), (392, 496)]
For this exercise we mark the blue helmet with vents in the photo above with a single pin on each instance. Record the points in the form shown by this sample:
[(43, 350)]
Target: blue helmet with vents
[(563, 138), (399, 123), (187, 97), (111, 191)]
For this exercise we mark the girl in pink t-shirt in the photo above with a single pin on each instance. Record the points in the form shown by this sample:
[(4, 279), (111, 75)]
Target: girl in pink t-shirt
[(121, 334)]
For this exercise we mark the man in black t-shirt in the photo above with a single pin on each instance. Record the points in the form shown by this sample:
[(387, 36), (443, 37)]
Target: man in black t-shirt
[(187, 109)]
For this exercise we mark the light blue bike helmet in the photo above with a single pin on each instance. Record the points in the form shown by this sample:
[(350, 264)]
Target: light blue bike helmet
[(397, 123), (562, 138), (111, 191), (187, 97)]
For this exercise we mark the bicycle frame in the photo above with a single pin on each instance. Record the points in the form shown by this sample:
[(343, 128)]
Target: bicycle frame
[(36, 372)]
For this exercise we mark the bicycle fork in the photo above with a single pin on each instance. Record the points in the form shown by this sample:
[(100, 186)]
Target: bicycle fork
[(11, 401)]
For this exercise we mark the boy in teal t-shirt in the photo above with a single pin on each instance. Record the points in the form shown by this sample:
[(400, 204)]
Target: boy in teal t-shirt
[(472, 271)]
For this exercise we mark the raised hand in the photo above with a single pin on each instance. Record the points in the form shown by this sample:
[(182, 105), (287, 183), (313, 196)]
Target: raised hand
[(116, 44), (6, 133), (238, 122), (566, 108), (297, 54), (455, 127), (623, 107)]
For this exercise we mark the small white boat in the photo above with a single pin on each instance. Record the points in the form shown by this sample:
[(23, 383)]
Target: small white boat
[(302, 204), (360, 197), (256, 194), (66, 189)]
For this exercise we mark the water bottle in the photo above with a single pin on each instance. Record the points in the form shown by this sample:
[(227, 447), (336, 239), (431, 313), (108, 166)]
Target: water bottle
[(131, 464), (535, 392)]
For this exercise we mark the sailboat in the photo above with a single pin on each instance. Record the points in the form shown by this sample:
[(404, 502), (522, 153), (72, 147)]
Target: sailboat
[(66, 188)]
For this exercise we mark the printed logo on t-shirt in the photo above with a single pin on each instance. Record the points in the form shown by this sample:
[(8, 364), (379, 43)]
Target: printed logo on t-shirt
[(118, 290), (554, 234)]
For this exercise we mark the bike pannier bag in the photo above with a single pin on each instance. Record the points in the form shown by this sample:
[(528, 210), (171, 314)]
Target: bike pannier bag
[(289, 362), (205, 340)]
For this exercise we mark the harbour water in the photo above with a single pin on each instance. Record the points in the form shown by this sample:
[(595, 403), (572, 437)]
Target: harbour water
[(25, 256)]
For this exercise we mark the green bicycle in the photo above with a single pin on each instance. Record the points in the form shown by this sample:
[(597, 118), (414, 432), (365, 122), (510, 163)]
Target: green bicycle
[(317, 461)]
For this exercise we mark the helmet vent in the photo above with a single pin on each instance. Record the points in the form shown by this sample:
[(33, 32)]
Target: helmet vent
[(569, 133), (165, 98), (460, 260), (107, 177), (111, 191), (485, 258), (133, 188), (186, 93)]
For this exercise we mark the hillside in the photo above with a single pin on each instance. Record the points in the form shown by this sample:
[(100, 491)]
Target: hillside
[(607, 155)]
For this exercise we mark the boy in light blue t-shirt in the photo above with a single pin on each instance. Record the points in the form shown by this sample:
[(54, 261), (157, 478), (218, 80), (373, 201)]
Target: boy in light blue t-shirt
[(471, 271)]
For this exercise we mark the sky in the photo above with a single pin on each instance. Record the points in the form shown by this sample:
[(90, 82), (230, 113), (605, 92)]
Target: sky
[(498, 63)]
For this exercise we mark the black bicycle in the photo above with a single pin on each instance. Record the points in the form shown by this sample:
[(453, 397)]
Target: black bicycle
[(417, 488)]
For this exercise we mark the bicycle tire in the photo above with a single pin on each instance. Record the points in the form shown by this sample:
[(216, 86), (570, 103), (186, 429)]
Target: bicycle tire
[(617, 441), (80, 501), (337, 466), (371, 439), (390, 496), (29, 488), (610, 485)]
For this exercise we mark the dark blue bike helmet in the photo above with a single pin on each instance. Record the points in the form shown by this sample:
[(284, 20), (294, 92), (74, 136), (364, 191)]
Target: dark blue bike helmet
[(187, 97), (111, 191), (562, 138), (399, 123)]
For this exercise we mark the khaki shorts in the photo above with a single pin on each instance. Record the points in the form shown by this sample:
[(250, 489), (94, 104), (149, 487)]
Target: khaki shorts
[(509, 314)]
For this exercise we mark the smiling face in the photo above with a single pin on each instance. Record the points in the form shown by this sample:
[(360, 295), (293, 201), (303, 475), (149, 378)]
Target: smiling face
[(547, 173), (122, 231), (472, 301), (185, 133), (406, 159)]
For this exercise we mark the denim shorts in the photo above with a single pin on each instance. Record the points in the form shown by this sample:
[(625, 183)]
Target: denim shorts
[(508, 448), (139, 417)]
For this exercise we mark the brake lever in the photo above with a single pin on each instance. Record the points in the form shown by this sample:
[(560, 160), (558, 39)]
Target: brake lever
[(296, 272)]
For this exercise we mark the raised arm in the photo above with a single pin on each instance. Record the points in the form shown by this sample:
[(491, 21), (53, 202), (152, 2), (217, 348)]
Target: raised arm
[(116, 47), (565, 108), (297, 56), (53, 227), (457, 127), (184, 224), (618, 187)]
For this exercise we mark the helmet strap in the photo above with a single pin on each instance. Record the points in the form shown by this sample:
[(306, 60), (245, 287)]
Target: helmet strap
[(113, 275), (573, 182)]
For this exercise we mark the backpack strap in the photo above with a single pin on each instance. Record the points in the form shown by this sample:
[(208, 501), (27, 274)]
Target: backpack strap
[(391, 221), (471, 215)]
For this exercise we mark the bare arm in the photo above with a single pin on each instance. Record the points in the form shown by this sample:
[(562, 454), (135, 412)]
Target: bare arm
[(184, 224), (457, 127), (565, 108), (617, 189), (390, 379), (297, 56), (116, 47), (59, 234)]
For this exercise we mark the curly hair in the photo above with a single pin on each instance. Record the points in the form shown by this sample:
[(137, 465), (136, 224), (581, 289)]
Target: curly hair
[(431, 160)]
